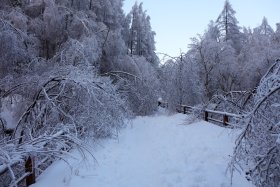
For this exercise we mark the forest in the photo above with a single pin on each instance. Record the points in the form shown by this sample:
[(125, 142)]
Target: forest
[(71, 70)]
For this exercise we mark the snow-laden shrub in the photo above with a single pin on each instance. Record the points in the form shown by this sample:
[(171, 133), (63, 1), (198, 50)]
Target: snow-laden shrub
[(50, 145), (70, 95), (258, 147), (237, 102), (138, 84), (59, 109)]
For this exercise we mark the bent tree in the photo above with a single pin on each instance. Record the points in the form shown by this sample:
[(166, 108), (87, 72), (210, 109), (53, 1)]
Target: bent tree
[(258, 146)]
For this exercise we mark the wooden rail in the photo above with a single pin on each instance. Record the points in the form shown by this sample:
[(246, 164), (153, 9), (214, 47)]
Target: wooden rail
[(29, 174), (219, 117)]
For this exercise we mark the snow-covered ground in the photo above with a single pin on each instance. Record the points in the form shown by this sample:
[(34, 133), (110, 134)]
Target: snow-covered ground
[(158, 151)]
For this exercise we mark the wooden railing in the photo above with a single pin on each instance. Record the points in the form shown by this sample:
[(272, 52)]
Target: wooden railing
[(28, 175), (219, 117), (29, 168)]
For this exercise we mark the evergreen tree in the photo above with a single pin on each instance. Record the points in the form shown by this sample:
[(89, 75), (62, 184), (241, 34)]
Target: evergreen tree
[(141, 37), (264, 28), (276, 36), (228, 26)]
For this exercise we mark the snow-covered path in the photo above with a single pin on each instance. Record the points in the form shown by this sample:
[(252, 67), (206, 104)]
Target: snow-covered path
[(155, 151)]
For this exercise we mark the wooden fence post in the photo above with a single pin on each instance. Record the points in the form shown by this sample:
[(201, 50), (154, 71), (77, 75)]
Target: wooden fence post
[(184, 109), (205, 115), (225, 120), (29, 167)]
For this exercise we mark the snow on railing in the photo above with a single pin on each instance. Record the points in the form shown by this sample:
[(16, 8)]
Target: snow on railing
[(29, 174), (208, 115)]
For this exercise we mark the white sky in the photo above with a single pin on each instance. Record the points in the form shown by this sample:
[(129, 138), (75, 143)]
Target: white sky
[(176, 21)]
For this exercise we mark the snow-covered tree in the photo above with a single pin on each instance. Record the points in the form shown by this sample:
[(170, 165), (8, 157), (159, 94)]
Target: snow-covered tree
[(257, 55), (215, 61), (180, 82), (264, 28), (228, 26), (257, 149), (276, 36), (141, 37)]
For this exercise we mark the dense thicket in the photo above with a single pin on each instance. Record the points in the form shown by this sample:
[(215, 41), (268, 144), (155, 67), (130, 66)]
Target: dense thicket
[(71, 69)]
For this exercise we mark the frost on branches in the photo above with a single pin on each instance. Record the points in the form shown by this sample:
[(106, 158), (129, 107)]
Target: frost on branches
[(66, 75), (61, 108), (258, 146)]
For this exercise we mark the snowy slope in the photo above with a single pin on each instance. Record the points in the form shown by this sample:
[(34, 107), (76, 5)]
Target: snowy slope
[(154, 152)]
